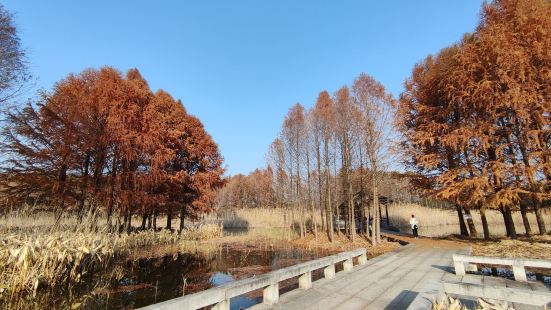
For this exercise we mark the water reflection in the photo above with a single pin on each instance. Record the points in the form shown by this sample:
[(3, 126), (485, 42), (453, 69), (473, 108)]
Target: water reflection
[(150, 280)]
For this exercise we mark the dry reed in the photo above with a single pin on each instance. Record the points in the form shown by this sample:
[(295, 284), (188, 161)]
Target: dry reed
[(400, 215), (36, 255), (538, 248), (264, 218), (450, 303)]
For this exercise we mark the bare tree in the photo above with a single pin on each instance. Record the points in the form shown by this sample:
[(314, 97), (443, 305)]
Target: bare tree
[(375, 105), (13, 65)]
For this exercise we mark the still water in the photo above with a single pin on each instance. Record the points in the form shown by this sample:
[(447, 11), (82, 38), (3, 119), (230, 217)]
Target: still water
[(150, 280)]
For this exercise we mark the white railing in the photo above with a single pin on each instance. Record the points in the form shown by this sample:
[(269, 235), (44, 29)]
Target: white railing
[(220, 296), (518, 264)]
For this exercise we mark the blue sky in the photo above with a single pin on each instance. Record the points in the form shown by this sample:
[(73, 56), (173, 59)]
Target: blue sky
[(239, 65)]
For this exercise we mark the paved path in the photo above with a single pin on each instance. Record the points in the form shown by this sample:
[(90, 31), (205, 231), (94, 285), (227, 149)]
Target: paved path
[(390, 281)]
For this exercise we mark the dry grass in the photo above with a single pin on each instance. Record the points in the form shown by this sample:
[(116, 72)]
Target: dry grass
[(260, 217), (450, 303), (536, 247), (341, 243), (400, 215), (36, 255)]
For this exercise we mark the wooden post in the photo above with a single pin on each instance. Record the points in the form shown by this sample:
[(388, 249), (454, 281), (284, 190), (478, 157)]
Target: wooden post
[(519, 272), (223, 305), (362, 259), (329, 271), (459, 266), (305, 280), (348, 265), (271, 294)]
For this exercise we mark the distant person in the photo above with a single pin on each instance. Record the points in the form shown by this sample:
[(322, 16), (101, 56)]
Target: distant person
[(414, 227)]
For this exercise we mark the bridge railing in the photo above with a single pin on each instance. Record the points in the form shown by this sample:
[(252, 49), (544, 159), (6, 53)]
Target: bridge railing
[(220, 296), (518, 264)]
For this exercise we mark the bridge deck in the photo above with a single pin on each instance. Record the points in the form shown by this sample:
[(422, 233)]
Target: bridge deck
[(391, 281)]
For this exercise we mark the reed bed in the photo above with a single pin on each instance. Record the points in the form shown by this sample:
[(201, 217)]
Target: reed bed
[(400, 215), (538, 247), (263, 218), (36, 256)]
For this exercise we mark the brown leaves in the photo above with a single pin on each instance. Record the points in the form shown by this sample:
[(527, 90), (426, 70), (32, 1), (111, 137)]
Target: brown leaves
[(108, 140), (473, 117)]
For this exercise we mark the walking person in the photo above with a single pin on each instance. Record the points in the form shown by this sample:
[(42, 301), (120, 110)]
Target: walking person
[(413, 222)]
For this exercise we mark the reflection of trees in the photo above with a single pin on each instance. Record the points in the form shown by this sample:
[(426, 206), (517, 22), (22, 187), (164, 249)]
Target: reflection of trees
[(192, 267)]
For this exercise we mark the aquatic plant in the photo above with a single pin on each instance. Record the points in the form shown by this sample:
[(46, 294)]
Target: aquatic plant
[(40, 257)]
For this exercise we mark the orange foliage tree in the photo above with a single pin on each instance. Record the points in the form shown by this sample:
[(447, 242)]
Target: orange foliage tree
[(101, 141), (475, 117)]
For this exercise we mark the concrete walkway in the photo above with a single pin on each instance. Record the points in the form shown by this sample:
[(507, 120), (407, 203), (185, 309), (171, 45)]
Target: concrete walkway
[(390, 281)]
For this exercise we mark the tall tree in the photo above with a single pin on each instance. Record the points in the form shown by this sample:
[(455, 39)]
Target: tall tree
[(376, 107), (13, 66)]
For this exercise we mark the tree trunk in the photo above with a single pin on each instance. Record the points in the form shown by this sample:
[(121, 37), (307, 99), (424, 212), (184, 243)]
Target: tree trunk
[(310, 199), (511, 222), (485, 226), (462, 225), (320, 186), (472, 227), (539, 217), (84, 186), (144, 220), (169, 219), (182, 217), (129, 223), (524, 214), (350, 198), (374, 224), (507, 219)]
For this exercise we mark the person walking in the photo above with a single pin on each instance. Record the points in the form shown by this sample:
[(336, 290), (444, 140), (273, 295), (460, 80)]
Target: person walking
[(413, 222)]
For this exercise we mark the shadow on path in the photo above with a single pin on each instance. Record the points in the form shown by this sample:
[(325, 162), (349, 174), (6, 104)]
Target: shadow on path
[(402, 301)]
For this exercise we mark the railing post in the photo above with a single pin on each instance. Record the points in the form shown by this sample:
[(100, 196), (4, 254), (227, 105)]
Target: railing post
[(223, 305), (305, 280), (459, 266), (329, 271), (271, 294), (362, 260), (471, 268), (519, 272), (348, 264)]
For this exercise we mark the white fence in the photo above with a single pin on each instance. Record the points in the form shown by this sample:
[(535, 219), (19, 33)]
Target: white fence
[(518, 264), (220, 296)]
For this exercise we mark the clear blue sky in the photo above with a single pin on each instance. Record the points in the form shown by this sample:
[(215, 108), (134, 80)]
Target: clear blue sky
[(239, 65)]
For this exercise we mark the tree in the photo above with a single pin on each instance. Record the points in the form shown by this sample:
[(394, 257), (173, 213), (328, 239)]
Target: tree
[(294, 131), (475, 117), (106, 142), (323, 118), (375, 106), (346, 115), (13, 66)]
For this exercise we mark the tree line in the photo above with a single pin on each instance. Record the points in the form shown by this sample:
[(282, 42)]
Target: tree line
[(103, 141), (475, 118), (473, 130), (329, 155)]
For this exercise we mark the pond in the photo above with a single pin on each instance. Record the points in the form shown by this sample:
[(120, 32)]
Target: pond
[(151, 280)]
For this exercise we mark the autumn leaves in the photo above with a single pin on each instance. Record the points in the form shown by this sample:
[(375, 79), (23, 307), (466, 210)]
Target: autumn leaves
[(104, 141), (475, 117)]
